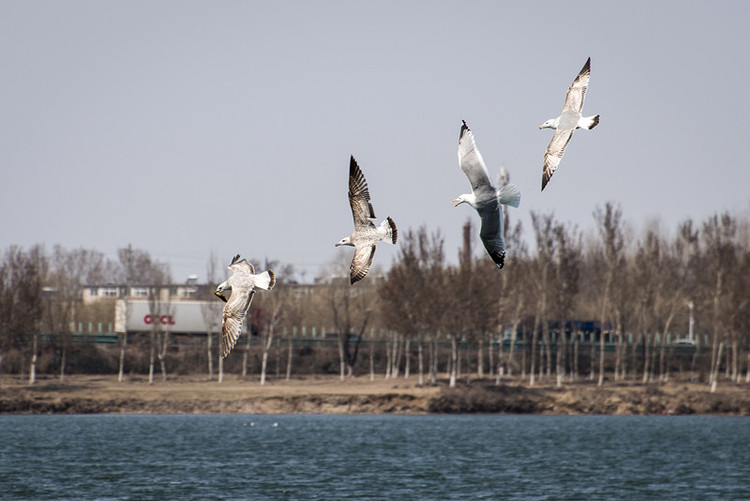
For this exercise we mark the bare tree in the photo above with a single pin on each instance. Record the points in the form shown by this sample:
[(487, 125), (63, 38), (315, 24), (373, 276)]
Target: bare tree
[(25, 273), (609, 225), (269, 314), (567, 268), (721, 254), (513, 302), (211, 311), (138, 268), (351, 311), (546, 248), (411, 298)]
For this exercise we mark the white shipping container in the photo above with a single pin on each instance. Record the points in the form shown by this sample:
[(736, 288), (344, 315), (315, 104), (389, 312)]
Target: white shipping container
[(185, 317)]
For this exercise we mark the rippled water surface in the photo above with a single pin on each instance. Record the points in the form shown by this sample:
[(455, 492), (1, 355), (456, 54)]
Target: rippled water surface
[(374, 457)]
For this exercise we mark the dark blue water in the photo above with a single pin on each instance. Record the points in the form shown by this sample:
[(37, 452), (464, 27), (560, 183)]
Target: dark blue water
[(373, 457)]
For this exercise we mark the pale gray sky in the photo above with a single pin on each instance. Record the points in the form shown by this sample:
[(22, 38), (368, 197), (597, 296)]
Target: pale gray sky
[(186, 126)]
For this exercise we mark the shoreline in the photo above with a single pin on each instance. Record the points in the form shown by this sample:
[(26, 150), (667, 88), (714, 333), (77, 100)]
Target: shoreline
[(83, 394)]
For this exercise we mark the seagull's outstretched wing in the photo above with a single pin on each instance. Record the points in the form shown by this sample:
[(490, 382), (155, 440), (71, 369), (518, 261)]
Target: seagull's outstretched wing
[(359, 196), (241, 265), (577, 90), (554, 154), (491, 233), (471, 162), (234, 314), (361, 262)]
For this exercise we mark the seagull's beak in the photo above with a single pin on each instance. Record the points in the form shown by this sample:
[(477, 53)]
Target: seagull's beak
[(220, 296), (541, 127), (457, 202)]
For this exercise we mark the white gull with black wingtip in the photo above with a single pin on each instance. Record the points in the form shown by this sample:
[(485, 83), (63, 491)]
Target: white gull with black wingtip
[(242, 284), (366, 235), (484, 197), (570, 120)]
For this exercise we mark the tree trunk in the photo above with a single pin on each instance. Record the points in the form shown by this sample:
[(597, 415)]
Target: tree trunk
[(420, 360), (246, 354), (458, 358), (716, 365), (388, 362), (372, 360), (34, 357), (151, 358), (277, 351), (342, 361), (693, 362), (163, 355), (467, 356), (663, 358), (646, 356), (123, 344), (221, 370), (480, 355), (560, 369), (512, 349), (491, 356), (601, 357), (209, 355), (407, 357), (534, 342), (454, 362), (289, 359), (264, 361), (396, 355), (434, 360), (62, 363)]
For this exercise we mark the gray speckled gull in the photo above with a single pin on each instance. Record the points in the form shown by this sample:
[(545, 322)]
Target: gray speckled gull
[(366, 235), (570, 120)]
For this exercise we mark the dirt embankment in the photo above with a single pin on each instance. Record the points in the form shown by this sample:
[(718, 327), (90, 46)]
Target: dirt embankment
[(186, 395)]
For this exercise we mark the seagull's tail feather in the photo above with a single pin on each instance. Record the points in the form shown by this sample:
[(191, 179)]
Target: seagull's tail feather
[(509, 195), (388, 227), (590, 122), (265, 280)]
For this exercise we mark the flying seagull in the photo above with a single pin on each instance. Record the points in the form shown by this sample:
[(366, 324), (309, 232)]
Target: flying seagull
[(484, 197), (567, 122), (366, 235), (241, 283)]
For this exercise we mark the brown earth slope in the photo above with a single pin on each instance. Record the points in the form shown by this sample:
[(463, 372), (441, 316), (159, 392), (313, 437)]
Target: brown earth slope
[(103, 394)]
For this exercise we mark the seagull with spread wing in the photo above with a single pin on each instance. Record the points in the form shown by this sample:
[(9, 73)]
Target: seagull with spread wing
[(366, 235), (242, 284), (484, 197), (570, 120)]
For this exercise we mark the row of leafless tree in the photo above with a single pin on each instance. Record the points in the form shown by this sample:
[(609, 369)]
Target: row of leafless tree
[(42, 292), (635, 286), (643, 289)]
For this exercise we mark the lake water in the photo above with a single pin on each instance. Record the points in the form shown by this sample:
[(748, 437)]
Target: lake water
[(185, 457)]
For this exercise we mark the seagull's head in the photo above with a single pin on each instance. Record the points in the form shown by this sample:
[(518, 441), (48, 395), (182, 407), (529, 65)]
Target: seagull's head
[(549, 124), (465, 198), (221, 289), (345, 241)]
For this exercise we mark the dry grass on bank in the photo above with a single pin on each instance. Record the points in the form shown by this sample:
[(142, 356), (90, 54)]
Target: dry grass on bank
[(327, 394)]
